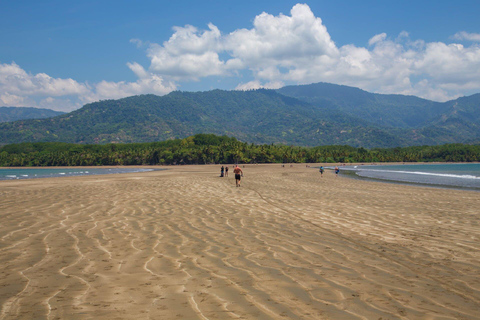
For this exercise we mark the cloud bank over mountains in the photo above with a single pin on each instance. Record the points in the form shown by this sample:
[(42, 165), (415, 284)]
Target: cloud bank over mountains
[(19, 88), (276, 51)]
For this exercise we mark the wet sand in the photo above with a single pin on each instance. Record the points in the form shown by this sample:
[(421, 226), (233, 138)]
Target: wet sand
[(187, 244)]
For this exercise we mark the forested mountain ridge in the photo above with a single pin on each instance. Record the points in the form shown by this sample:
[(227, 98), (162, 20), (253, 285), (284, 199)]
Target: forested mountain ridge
[(260, 116), (8, 114), (398, 111), (416, 120), (311, 115), (459, 121)]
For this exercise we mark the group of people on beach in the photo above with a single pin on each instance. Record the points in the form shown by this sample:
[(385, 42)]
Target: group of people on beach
[(322, 170), (237, 171), (224, 172)]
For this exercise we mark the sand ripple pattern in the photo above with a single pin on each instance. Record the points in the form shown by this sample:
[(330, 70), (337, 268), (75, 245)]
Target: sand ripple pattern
[(186, 244)]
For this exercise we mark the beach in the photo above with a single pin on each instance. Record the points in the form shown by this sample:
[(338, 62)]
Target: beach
[(184, 243)]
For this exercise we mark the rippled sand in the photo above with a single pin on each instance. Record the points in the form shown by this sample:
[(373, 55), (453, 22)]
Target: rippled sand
[(187, 244)]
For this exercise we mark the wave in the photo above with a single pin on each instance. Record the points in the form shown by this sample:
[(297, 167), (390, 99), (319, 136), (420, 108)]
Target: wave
[(447, 175), (31, 173)]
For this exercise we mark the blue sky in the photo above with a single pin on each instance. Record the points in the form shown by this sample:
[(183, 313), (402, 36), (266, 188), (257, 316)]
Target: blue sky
[(63, 54)]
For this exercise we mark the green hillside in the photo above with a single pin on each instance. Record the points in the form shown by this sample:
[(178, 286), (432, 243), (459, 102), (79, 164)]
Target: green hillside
[(8, 114), (413, 120), (396, 111), (260, 116), (312, 115)]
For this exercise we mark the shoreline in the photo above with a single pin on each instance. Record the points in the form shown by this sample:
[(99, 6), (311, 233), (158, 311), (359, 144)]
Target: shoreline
[(52, 172), (352, 174), (347, 173)]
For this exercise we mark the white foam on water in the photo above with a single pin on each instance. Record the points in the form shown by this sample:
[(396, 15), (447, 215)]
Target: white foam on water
[(423, 173), (26, 174)]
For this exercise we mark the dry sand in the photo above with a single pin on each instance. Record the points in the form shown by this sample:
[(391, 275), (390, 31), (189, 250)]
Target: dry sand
[(187, 244)]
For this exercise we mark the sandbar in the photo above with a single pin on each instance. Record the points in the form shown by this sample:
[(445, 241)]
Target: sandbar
[(185, 243)]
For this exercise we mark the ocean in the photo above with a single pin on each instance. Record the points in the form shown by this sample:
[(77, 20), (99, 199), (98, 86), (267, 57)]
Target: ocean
[(33, 173), (451, 175)]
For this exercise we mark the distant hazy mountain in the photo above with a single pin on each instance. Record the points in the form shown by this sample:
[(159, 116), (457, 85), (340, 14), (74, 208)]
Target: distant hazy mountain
[(424, 121), (8, 114), (318, 114), (396, 111)]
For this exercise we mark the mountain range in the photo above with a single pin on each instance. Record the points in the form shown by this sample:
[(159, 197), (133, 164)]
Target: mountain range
[(8, 114), (306, 115)]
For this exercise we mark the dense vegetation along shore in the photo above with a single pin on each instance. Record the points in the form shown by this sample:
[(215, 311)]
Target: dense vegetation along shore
[(209, 148)]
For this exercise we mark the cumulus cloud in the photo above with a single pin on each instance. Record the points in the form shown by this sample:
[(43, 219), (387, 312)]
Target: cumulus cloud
[(15, 80), (147, 83), (281, 40), (463, 35), (294, 48), (378, 38), (11, 99), (297, 48), (189, 54), (139, 43), (255, 84), (20, 88)]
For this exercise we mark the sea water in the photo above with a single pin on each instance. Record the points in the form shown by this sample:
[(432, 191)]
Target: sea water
[(32, 173), (458, 175)]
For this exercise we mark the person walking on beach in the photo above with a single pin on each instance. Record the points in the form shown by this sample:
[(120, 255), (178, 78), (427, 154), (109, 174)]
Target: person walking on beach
[(321, 171), (226, 171), (238, 175), (221, 171), (336, 171)]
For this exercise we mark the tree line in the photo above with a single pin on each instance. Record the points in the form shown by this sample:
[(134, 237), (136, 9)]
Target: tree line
[(210, 149)]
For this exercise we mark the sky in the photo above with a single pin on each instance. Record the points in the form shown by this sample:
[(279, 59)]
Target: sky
[(61, 55)]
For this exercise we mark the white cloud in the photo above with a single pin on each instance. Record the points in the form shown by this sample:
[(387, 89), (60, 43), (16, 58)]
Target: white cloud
[(139, 43), (189, 54), (147, 83), (11, 99), (20, 88), (281, 40), (294, 48), (378, 38), (251, 85), (463, 35), (255, 84), (14, 80), (297, 48)]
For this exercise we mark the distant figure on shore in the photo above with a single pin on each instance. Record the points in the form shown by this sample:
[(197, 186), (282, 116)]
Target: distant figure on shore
[(221, 171), (238, 175), (226, 171), (336, 171), (321, 171)]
